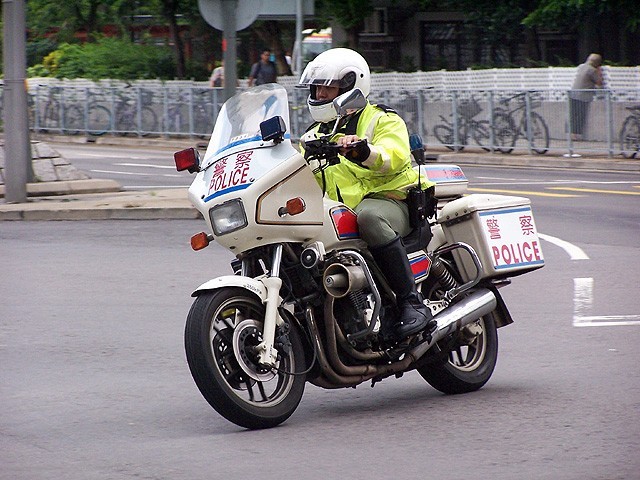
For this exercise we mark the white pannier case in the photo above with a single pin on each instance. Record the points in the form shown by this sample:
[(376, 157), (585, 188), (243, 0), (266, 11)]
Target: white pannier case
[(500, 228)]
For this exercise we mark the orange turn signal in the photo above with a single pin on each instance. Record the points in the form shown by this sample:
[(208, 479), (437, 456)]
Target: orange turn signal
[(294, 206), (200, 240)]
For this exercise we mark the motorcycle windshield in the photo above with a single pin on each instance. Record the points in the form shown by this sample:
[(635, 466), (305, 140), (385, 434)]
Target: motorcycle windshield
[(238, 124)]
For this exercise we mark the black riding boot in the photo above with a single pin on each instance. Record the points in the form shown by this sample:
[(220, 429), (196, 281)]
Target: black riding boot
[(414, 315)]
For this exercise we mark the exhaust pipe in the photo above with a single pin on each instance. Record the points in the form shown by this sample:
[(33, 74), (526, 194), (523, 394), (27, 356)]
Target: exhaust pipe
[(339, 279), (471, 308)]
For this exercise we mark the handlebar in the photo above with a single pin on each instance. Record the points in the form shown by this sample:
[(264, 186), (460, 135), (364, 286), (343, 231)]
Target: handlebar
[(323, 149)]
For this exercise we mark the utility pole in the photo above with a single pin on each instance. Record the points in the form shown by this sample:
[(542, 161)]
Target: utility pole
[(229, 34), (17, 148)]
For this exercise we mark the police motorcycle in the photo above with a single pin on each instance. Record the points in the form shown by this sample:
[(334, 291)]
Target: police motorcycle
[(306, 300)]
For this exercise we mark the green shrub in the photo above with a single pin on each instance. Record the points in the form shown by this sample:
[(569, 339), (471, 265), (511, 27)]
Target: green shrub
[(109, 58)]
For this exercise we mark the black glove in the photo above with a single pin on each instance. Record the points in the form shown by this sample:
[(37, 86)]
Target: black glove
[(358, 152)]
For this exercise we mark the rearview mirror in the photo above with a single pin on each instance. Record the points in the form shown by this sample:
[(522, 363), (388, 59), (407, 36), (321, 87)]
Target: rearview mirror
[(353, 100)]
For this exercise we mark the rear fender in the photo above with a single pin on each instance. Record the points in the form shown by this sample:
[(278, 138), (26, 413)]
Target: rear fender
[(502, 316)]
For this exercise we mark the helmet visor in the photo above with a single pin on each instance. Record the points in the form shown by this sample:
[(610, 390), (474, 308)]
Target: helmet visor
[(322, 75)]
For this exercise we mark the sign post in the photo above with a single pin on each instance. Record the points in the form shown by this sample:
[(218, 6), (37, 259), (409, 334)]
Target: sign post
[(229, 16), (17, 149)]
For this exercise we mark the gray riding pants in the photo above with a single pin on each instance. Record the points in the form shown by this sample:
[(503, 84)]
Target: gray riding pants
[(381, 220)]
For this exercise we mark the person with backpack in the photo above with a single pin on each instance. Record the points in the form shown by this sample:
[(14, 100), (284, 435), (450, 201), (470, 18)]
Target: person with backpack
[(263, 71)]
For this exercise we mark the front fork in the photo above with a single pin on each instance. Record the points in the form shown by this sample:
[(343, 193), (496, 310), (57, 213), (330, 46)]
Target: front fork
[(267, 353)]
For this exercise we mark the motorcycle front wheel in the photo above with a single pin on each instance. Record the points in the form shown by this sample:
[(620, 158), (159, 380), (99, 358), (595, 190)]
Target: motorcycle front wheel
[(223, 328)]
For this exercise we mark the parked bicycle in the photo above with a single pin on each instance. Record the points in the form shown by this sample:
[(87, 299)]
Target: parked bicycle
[(54, 114), (191, 115), (468, 127), (630, 133), (512, 123), (98, 119), (134, 115)]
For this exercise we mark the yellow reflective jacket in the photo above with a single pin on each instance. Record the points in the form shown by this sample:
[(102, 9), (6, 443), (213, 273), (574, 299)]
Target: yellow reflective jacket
[(387, 172)]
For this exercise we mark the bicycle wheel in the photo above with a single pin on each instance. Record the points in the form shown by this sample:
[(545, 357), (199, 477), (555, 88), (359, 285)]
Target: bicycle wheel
[(203, 122), (99, 121), (148, 122), (630, 137), (504, 132), (444, 134), (125, 122), (73, 120), (47, 118), (481, 132), (539, 134)]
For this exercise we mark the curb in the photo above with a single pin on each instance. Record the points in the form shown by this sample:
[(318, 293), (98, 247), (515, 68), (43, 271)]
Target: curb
[(108, 213), (521, 161), (69, 187)]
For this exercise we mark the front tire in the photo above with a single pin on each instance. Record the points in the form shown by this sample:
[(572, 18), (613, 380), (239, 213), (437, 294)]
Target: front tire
[(222, 327), (482, 134), (444, 135), (504, 132)]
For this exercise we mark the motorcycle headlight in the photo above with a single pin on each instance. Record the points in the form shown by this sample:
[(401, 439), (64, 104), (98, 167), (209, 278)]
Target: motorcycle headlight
[(228, 217)]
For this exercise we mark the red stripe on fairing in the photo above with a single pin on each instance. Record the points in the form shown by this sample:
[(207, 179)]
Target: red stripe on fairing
[(345, 223), (420, 266), (445, 174)]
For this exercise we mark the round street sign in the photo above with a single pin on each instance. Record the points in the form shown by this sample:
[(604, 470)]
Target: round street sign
[(245, 12)]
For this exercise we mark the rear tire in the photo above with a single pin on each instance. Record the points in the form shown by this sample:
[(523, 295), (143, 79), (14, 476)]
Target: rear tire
[(630, 137), (471, 353), (222, 328), (539, 134), (470, 363)]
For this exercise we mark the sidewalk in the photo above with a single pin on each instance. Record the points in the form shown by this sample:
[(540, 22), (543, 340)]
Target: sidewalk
[(95, 199)]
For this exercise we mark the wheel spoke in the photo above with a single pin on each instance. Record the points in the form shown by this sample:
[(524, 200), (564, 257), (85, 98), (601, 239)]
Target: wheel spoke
[(262, 392), (250, 389), (457, 357)]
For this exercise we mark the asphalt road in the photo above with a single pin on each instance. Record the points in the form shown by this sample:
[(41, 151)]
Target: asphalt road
[(135, 168), (94, 384)]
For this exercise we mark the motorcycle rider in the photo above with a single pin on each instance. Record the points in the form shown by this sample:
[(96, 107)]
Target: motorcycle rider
[(372, 177)]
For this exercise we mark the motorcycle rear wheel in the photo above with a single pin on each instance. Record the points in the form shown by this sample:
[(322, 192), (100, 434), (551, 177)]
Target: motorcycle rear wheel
[(470, 362), (222, 327)]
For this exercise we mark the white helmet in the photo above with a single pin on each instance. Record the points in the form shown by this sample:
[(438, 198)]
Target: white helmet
[(338, 67)]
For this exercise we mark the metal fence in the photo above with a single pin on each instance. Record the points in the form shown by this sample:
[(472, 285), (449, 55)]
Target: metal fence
[(518, 121)]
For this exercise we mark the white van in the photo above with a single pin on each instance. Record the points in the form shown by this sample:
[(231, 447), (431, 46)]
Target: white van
[(314, 42)]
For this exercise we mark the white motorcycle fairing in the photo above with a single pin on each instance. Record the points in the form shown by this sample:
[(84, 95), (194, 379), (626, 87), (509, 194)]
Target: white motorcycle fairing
[(309, 302), (260, 177)]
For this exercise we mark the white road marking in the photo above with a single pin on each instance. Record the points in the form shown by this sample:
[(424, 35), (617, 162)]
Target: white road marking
[(575, 252), (116, 172), (145, 165), (583, 303), (154, 187), (583, 294)]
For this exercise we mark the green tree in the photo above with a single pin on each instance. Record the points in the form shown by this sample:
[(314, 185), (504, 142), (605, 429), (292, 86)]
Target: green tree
[(350, 14), (270, 33), (63, 20), (608, 27)]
